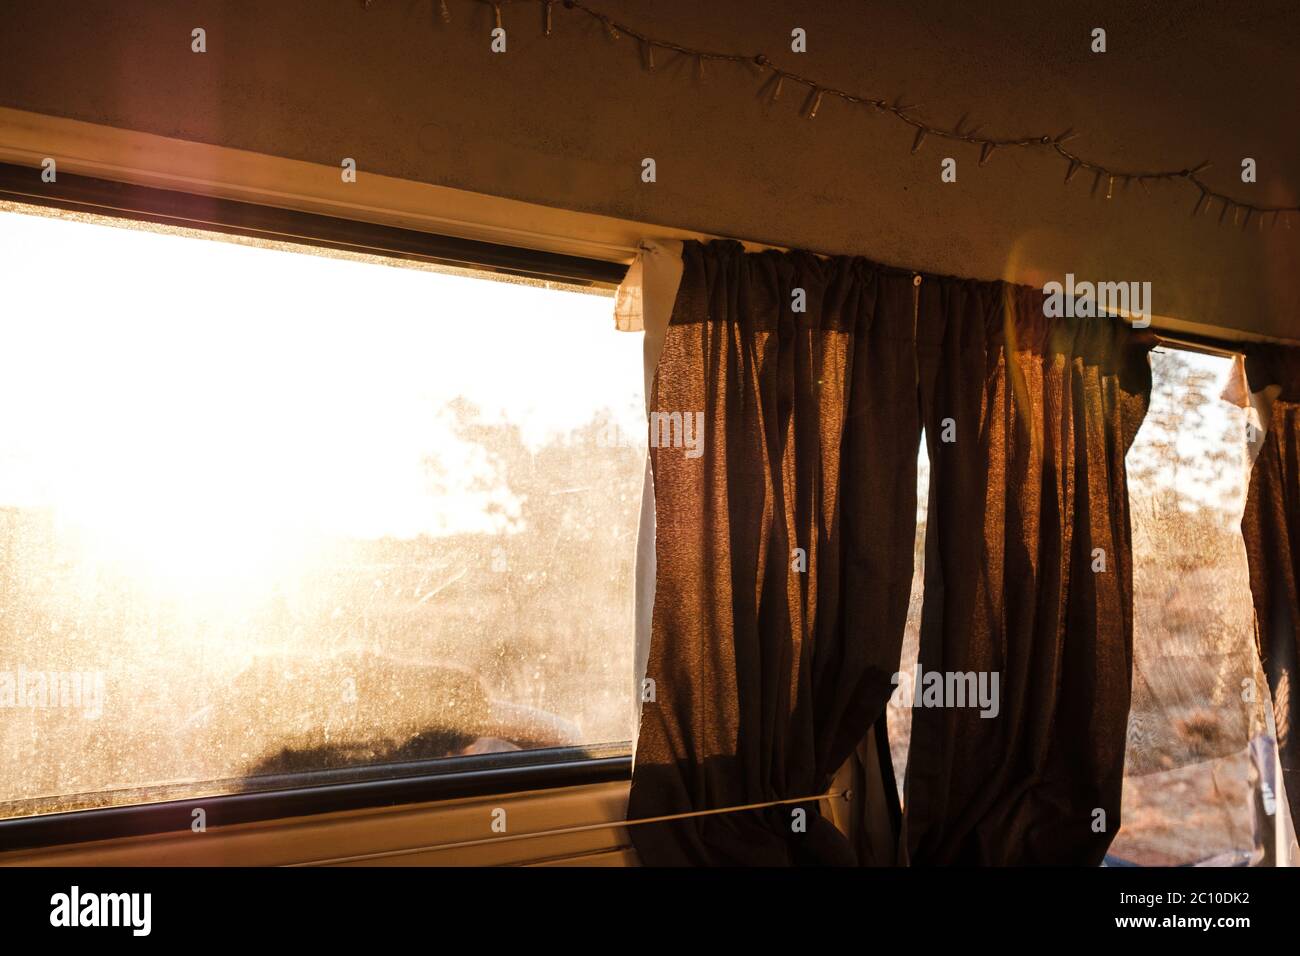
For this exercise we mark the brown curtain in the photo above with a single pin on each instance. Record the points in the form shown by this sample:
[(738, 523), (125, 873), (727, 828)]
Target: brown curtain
[(766, 677), (1028, 420), (783, 548), (1271, 526)]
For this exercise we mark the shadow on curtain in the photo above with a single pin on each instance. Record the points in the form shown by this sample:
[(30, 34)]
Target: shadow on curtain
[(785, 420)]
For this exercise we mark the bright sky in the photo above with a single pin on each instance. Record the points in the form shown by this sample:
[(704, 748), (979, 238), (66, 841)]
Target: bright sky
[(166, 394)]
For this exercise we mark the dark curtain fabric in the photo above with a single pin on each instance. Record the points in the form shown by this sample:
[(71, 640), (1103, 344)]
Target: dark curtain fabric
[(1270, 525), (1028, 420), (767, 677), (771, 665)]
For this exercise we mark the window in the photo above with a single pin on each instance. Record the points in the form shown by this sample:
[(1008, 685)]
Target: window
[(1197, 727), (267, 515)]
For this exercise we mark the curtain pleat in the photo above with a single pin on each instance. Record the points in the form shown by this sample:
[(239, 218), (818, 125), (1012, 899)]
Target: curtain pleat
[(783, 549), (784, 561), (1028, 577), (1270, 525)]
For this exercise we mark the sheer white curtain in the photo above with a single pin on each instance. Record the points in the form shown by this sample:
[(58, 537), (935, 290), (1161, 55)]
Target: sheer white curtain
[(644, 303)]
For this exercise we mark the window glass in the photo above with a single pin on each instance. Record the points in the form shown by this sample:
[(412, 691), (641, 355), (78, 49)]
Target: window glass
[(265, 512), (1199, 696)]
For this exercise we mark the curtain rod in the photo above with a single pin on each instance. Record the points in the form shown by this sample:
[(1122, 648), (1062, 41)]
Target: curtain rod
[(1203, 344), (1191, 341)]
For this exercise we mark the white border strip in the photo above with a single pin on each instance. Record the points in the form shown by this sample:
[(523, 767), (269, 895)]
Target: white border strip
[(145, 159)]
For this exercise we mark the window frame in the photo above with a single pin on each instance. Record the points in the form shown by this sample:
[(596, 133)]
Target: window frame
[(121, 200), (404, 784), (564, 767)]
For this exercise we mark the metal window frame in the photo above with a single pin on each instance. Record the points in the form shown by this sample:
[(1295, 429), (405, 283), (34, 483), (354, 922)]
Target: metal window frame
[(168, 207), (426, 782)]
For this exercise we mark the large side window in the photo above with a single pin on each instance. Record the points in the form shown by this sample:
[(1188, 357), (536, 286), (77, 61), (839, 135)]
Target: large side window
[(267, 515)]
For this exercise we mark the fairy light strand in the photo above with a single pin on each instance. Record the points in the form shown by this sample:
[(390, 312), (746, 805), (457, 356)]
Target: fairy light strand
[(778, 76)]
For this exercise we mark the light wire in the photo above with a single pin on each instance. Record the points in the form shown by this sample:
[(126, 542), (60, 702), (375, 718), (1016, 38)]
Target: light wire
[(584, 828), (776, 77)]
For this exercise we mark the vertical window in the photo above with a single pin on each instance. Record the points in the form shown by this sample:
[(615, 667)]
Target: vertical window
[(1199, 696)]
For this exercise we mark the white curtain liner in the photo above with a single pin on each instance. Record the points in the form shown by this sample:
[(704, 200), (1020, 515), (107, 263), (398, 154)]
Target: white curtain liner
[(644, 303)]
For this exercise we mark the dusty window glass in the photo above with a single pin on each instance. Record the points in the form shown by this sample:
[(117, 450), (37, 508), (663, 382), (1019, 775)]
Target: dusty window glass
[(266, 513), (1198, 742)]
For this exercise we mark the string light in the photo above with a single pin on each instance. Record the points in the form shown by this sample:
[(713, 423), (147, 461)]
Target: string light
[(987, 144), (813, 103), (777, 81)]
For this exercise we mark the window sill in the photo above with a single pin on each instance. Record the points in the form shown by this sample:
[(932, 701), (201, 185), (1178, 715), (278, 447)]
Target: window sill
[(383, 786)]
